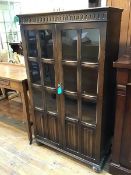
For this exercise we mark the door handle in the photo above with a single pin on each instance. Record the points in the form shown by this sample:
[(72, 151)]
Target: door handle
[(60, 89)]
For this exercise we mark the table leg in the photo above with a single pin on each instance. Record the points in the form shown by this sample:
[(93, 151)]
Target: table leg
[(3, 96), (24, 97)]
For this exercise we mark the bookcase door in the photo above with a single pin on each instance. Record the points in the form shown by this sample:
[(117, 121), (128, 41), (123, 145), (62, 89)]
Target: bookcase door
[(79, 66), (41, 64)]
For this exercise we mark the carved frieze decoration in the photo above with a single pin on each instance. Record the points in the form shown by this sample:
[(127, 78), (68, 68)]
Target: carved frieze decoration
[(61, 17)]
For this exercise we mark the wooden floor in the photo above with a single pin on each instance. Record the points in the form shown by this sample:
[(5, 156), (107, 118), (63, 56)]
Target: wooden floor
[(12, 108), (17, 157)]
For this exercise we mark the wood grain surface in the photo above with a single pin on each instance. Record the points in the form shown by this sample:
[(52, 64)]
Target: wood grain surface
[(12, 71)]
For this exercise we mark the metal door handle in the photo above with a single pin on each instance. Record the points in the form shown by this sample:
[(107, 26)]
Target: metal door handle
[(60, 89)]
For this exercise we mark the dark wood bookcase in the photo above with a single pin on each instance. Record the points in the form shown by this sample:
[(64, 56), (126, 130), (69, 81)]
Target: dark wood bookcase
[(75, 49)]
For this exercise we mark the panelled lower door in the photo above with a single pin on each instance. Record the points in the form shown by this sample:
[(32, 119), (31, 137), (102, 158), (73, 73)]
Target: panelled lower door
[(78, 53), (43, 77)]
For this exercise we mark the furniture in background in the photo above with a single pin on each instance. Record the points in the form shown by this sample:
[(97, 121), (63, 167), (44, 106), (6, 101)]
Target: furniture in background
[(121, 153), (94, 3), (69, 57), (17, 47), (14, 77), (3, 58), (16, 58)]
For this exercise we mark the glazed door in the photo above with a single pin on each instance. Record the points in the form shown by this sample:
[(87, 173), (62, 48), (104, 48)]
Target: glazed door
[(69, 56), (40, 54), (78, 54)]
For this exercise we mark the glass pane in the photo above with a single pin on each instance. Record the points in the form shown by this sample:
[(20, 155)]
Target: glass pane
[(49, 75), (34, 72), (37, 98), (46, 43), (88, 112), (32, 47), (89, 81), (69, 44), (51, 102), (70, 78), (90, 45), (71, 108)]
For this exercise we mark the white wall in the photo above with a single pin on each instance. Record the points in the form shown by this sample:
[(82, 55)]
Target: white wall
[(103, 3), (36, 6)]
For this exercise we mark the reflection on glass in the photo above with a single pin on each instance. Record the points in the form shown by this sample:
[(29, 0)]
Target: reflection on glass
[(37, 97), (90, 45), (51, 102), (49, 75), (88, 112), (89, 81), (70, 78), (32, 47), (46, 43), (71, 109), (34, 72), (69, 44)]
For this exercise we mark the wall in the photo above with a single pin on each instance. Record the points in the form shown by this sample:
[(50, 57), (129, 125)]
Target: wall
[(54, 5), (51, 5), (125, 36)]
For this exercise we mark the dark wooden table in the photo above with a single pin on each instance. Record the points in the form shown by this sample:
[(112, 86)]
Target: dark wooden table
[(14, 77)]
